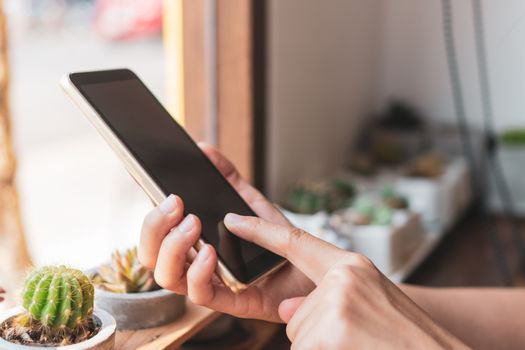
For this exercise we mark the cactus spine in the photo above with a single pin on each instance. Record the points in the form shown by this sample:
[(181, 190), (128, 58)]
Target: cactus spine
[(58, 297)]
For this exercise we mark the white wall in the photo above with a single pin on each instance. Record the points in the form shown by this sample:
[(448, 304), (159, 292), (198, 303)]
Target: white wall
[(414, 66), (323, 67)]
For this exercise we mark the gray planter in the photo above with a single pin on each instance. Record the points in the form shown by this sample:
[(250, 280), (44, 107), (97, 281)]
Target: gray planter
[(141, 310), (104, 340)]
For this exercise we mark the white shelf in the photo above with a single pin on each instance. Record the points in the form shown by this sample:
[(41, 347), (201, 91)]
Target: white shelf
[(430, 242)]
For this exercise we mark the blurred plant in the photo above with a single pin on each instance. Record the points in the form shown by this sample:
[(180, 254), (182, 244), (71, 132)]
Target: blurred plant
[(427, 165), (387, 149), (125, 274), (363, 164), (393, 199), (401, 116), (311, 197), (382, 215), (513, 137), (366, 212), (362, 211), (59, 303), (2, 292)]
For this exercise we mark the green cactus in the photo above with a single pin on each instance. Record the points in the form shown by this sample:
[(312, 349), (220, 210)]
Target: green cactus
[(58, 297)]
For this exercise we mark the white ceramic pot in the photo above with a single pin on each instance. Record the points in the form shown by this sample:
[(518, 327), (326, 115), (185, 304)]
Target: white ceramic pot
[(141, 310), (390, 246), (103, 340), (441, 200)]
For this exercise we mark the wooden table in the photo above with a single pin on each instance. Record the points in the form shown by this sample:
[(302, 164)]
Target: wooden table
[(170, 336)]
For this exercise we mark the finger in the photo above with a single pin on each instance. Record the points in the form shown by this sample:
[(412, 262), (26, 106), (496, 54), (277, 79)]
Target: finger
[(250, 194), (223, 164), (181, 287), (170, 266), (288, 307), (308, 310), (296, 245), (200, 274), (156, 226)]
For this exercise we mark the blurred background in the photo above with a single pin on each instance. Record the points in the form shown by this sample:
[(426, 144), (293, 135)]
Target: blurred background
[(393, 128), (75, 196)]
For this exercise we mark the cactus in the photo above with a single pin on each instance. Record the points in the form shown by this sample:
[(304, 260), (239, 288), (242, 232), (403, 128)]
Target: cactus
[(58, 297), (125, 274)]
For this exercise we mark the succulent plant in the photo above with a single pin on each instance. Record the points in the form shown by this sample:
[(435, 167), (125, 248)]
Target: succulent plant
[(382, 216), (393, 199), (362, 211), (310, 197), (58, 297), (366, 212), (125, 274), (428, 165)]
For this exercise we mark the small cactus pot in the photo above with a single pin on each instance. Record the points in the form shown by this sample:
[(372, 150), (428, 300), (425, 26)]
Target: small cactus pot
[(103, 340), (141, 310)]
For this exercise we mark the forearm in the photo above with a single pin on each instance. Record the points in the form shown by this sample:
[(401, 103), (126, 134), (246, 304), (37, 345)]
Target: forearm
[(484, 318)]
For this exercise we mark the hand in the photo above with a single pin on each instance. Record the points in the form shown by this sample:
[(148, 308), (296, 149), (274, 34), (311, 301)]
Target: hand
[(166, 246), (354, 306)]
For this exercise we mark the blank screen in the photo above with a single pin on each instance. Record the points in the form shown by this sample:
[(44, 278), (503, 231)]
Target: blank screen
[(178, 166)]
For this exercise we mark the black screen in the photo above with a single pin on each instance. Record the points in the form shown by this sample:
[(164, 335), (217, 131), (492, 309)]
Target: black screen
[(175, 163)]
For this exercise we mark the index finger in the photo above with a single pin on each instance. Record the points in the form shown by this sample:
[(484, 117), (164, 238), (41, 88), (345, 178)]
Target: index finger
[(313, 256)]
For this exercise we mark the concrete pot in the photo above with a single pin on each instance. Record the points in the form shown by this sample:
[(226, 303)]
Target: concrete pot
[(104, 340), (141, 310)]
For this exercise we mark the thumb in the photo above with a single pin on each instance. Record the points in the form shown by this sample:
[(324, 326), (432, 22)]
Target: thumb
[(314, 257), (288, 307)]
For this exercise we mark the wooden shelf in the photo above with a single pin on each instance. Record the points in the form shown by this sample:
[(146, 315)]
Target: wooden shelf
[(170, 336)]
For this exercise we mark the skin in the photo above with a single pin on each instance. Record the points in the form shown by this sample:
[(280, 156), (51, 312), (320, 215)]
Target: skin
[(329, 298)]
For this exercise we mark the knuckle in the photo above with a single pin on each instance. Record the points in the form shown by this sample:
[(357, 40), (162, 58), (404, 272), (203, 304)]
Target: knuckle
[(295, 237), (363, 262), (343, 275)]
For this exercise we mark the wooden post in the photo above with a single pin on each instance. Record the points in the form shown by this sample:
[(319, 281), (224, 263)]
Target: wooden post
[(215, 94), (234, 80), (14, 257)]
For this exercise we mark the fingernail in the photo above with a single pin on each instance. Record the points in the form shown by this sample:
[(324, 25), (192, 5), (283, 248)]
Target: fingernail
[(168, 205), (232, 219), (204, 254), (186, 224)]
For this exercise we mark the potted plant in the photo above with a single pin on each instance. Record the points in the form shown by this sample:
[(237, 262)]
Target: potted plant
[(128, 291), (437, 188), (57, 312), (308, 204), (393, 199), (387, 236)]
